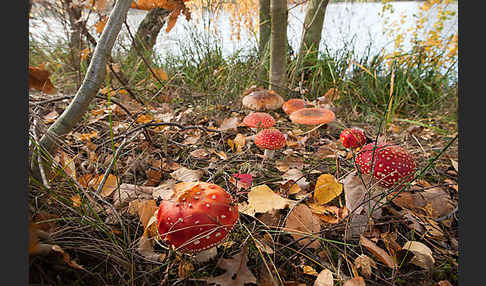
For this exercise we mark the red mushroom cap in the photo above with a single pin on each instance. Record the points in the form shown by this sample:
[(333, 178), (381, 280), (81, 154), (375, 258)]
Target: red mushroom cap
[(270, 139), (259, 119), (293, 104), (352, 137), (200, 218), (262, 99), (392, 163), (312, 116)]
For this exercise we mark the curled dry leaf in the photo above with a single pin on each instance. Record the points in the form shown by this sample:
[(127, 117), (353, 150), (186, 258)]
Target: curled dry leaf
[(327, 189), (186, 175), (93, 181), (309, 270), (50, 117), (365, 263), (301, 223), (262, 199), (297, 176), (39, 79), (356, 281), (237, 272), (378, 252), (200, 154), (422, 254), (324, 278), (165, 190), (434, 202), (329, 214), (229, 123)]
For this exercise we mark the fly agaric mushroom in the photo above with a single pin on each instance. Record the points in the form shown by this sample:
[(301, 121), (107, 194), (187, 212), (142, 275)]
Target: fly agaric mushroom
[(270, 140), (352, 137), (262, 99), (312, 116), (199, 218), (293, 104), (258, 120), (392, 164)]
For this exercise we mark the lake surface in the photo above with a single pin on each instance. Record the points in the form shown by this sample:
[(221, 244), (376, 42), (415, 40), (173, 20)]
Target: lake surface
[(353, 25)]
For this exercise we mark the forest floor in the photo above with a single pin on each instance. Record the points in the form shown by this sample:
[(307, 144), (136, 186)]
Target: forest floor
[(209, 145)]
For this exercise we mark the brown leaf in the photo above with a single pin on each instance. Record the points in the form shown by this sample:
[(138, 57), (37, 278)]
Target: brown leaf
[(443, 283), (433, 201), (297, 176), (237, 272), (130, 192), (146, 209), (365, 263), (229, 123), (50, 117), (422, 254), (200, 154), (329, 214), (100, 25), (39, 79), (300, 223), (186, 175), (377, 252), (324, 278), (356, 281)]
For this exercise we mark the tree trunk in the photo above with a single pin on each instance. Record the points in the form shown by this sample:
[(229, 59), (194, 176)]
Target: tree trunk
[(75, 42), (92, 82), (265, 26), (311, 34), (149, 29), (278, 47)]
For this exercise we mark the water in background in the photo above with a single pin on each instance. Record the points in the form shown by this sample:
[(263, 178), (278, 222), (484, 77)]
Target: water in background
[(358, 26)]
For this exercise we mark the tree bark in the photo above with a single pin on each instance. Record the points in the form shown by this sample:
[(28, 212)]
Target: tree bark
[(75, 42), (149, 29), (278, 47), (311, 34), (265, 26), (92, 82)]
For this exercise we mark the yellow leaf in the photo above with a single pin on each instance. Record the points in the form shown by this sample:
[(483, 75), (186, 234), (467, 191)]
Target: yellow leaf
[(161, 74), (262, 199), (100, 25), (144, 118), (327, 188), (76, 200), (309, 270)]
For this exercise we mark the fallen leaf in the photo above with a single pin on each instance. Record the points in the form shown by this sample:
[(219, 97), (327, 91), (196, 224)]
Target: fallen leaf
[(130, 192), (298, 177), (199, 154), (50, 117), (66, 257), (146, 249), (184, 269), (422, 254), (356, 281), (443, 283), (39, 79), (76, 199), (377, 252), (327, 189), (301, 223), (229, 123), (365, 263), (239, 142), (186, 175), (242, 180), (438, 201), (329, 214), (93, 181), (146, 209), (237, 272), (324, 278), (100, 25), (309, 270), (262, 199), (161, 74), (164, 191), (144, 118), (455, 165)]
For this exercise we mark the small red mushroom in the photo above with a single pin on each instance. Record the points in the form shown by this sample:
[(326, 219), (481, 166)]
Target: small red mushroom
[(352, 137), (270, 140), (392, 164), (199, 219), (256, 120)]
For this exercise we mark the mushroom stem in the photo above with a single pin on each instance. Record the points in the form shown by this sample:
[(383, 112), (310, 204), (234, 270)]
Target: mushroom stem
[(206, 255), (269, 153)]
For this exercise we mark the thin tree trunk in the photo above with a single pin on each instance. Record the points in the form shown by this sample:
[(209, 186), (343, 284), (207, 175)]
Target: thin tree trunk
[(264, 31), (92, 82), (311, 34), (75, 43), (149, 29), (265, 26), (278, 47)]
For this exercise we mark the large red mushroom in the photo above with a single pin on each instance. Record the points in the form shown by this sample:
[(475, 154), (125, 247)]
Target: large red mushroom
[(392, 164), (199, 218)]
